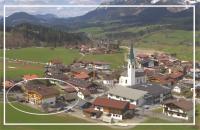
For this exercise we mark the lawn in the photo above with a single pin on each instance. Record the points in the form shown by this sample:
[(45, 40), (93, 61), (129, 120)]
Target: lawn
[(65, 55), (17, 70), (27, 118), (15, 116), (116, 60), (43, 54)]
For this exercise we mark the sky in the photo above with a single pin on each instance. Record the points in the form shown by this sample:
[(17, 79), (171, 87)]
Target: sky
[(60, 12)]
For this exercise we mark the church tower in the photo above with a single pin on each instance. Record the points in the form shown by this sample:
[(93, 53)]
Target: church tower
[(131, 67)]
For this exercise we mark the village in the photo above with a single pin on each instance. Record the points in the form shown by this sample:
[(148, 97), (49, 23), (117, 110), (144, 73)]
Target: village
[(148, 85)]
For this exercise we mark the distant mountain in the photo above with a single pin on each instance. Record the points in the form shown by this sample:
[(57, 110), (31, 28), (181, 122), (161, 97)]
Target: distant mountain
[(175, 16), (46, 16)]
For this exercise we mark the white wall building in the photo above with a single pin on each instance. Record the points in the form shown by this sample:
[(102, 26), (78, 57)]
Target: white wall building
[(178, 108), (133, 75), (133, 96)]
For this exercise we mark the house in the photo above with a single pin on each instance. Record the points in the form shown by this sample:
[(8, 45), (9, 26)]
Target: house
[(133, 96), (29, 77), (92, 113), (149, 63), (156, 92), (70, 93), (82, 73), (83, 84), (55, 68), (177, 89), (93, 65), (115, 109), (108, 79), (178, 108), (132, 75), (41, 94), (176, 75), (161, 79), (100, 65)]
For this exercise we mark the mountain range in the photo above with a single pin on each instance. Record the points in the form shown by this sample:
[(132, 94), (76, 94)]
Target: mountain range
[(135, 16)]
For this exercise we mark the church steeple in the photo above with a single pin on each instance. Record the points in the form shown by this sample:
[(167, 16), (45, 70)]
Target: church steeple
[(131, 54)]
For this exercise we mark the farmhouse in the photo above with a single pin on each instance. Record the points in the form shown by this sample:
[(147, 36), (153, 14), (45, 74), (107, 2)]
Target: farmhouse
[(178, 108), (41, 94), (115, 109), (156, 93), (132, 76), (133, 96)]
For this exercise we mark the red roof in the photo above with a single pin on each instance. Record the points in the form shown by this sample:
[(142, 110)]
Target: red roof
[(29, 77), (82, 75), (111, 103)]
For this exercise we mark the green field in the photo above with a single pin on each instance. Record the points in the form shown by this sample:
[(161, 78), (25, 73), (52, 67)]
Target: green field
[(44, 54), (20, 69), (15, 116)]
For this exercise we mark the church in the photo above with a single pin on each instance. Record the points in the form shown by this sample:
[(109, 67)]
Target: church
[(134, 73)]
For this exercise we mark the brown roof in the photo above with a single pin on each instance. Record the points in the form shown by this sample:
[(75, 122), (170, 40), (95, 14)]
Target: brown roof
[(43, 90), (79, 82), (91, 110), (181, 103), (111, 103)]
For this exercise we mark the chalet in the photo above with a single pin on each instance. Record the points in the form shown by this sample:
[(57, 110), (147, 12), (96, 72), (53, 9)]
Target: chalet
[(115, 109), (156, 92), (178, 108), (41, 94), (82, 84), (133, 96), (29, 77)]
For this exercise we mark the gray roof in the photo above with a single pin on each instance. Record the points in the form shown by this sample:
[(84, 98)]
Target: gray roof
[(137, 74), (153, 89), (128, 93)]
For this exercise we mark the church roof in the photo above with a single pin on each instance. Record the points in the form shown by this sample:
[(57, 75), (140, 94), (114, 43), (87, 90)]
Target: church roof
[(131, 55)]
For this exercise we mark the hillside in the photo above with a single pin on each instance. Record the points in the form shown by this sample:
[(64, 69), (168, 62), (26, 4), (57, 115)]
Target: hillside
[(25, 35)]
